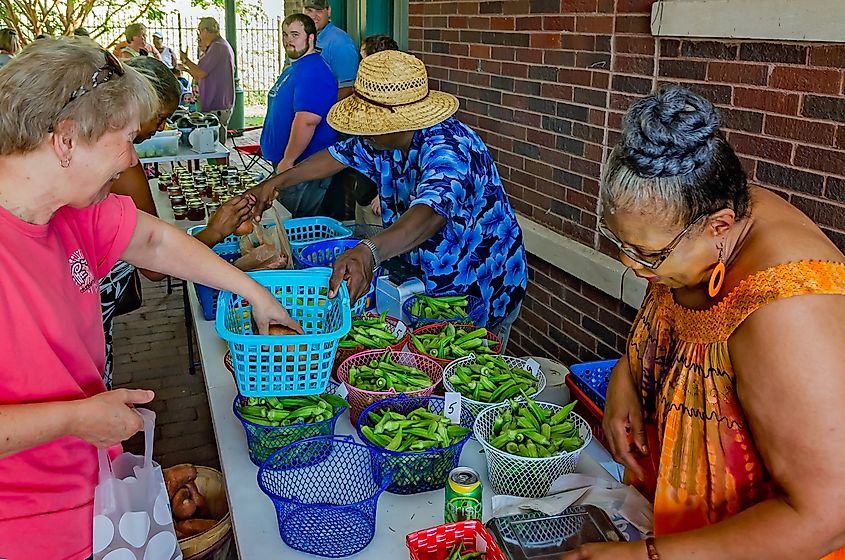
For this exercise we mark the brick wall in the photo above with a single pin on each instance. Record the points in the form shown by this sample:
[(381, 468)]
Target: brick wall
[(546, 83)]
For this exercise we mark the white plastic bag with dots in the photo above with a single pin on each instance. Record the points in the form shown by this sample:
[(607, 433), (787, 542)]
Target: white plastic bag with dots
[(132, 518)]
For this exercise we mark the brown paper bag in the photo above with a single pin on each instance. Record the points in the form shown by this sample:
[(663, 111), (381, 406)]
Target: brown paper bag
[(272, 252)]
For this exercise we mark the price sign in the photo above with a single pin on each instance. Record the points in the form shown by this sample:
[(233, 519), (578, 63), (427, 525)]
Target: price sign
[(342, 391), (401, 329), (452, 408), (532, 366)]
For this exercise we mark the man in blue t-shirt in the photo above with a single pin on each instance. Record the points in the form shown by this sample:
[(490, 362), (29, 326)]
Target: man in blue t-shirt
[(336, 46), (295, 126)]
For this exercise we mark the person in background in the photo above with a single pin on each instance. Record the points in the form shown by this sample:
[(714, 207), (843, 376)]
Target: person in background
[(214, 72), (335, 45), (183, 81), (9, 45), (441, 196), (295, 126), (164, 51), (367, 203), (81, 32), (341, 54), (728, 400), (61, 231), (133, 182), (136, 42)]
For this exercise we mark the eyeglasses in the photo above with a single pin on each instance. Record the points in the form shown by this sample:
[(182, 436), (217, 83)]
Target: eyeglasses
[(650, 261)]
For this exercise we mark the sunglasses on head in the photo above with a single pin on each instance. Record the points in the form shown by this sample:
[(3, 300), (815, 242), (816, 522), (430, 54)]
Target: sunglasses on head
[(101, 75)]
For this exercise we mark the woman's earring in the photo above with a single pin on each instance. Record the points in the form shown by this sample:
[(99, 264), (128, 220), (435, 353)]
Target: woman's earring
[(718, 276), (65, 163)]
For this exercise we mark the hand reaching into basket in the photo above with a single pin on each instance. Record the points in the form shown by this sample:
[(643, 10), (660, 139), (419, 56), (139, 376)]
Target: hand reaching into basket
[(356, 267), (623, 420), (266, 311)]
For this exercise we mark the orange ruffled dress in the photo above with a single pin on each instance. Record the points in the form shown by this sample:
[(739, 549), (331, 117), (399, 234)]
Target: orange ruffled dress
[(707, 467)]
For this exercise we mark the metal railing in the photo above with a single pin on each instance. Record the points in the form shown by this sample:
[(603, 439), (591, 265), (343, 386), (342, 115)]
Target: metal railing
[(260, 57)]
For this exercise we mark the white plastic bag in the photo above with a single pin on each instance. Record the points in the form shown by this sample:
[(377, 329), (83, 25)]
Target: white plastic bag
[(132, 518)]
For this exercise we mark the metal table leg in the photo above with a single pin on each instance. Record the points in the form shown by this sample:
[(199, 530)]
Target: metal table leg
[(189, 329)]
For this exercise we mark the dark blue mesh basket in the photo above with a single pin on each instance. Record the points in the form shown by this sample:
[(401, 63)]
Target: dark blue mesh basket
[(325, 490), (592, 378), (415, 472), (263, 441), (476, 312), (366, 231), (325, 253)]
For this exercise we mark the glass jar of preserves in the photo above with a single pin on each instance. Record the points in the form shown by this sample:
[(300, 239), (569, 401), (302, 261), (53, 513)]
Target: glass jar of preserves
[(196, 211), (178, 201), (180, 212), (211, 208)]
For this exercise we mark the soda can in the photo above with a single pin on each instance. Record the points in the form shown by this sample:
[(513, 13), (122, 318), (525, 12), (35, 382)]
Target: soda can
[(463, 495)]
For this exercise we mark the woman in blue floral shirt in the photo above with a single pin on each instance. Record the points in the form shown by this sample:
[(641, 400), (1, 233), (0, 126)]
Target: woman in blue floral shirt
[(442, 200)]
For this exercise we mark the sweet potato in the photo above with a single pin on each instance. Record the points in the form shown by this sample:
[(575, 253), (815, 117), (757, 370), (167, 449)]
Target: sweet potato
[(199, 500), (177, 477), (191, 527), (182, 505)]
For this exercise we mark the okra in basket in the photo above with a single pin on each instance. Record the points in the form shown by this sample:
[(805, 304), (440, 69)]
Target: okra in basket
[(447, 341)]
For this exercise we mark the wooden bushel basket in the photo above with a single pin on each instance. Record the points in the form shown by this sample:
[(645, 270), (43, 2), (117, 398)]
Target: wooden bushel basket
[(207, 545)]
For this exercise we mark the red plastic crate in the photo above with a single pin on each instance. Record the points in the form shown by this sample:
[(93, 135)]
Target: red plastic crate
[(436, 542), (587, 409)]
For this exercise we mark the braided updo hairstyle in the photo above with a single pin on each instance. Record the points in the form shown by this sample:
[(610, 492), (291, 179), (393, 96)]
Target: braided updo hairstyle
[(673, 157)]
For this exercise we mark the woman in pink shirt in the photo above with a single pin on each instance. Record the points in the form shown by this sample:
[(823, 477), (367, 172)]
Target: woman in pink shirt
[(69, 112)]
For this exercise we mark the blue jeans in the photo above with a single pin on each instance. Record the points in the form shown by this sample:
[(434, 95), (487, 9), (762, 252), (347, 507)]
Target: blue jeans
[(304, 200), (503, 328)]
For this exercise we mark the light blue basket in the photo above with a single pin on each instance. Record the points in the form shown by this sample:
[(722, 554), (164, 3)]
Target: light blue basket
[(304, 231), (286, 365)]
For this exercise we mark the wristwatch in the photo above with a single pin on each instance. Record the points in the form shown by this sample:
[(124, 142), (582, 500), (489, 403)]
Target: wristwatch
[(372, 247)]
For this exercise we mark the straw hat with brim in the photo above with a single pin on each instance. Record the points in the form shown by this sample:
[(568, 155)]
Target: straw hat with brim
[(391, 95)]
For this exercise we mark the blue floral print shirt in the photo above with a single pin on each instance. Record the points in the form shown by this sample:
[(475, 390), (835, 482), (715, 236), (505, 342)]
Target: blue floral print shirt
[(480, 250)]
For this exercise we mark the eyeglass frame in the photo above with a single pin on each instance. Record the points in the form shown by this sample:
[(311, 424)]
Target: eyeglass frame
[(632, 253)]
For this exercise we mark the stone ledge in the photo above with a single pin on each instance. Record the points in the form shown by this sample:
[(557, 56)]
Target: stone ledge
[(771, 20)]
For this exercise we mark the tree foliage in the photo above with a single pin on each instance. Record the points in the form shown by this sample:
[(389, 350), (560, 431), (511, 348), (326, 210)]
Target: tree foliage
[(30, 18)]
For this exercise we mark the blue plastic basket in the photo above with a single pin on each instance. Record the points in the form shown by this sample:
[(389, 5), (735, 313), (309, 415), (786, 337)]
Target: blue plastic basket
[(325, 253), (263, 441), (286, 365), (325, 491), (230, 250), (476, 312), (304, 231), (415, 472), (592, 378)]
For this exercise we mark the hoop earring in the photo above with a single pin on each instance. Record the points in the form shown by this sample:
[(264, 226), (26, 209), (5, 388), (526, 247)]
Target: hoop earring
[(717, 278), (65, 163)]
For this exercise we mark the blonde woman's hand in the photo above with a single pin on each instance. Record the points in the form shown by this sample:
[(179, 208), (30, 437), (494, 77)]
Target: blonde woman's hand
[(266, 311), (109, 418)]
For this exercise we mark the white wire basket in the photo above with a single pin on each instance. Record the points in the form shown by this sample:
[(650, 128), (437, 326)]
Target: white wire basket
[(475, 407), (525, 476)]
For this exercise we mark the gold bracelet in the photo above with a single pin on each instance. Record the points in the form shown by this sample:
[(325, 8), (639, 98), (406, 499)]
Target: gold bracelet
[(651, 549)]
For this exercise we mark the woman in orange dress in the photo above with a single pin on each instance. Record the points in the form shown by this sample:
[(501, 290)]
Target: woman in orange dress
[(729, 399)]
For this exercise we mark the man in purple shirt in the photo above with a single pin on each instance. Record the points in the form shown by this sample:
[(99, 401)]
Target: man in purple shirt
[(215, 71)]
